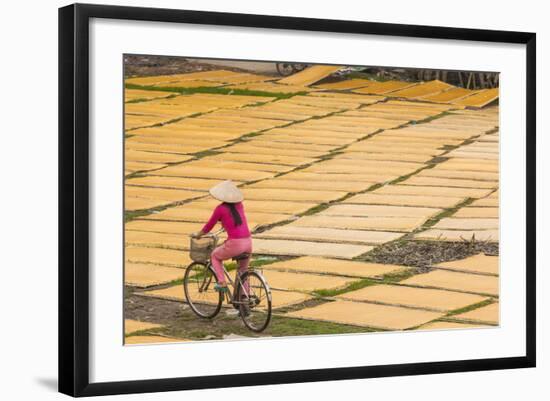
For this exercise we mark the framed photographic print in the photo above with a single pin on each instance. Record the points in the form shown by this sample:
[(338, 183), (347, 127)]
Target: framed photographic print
[(250, 199)]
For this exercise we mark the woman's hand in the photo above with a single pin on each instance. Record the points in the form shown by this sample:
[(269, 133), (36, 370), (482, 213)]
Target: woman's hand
[(197, 234)]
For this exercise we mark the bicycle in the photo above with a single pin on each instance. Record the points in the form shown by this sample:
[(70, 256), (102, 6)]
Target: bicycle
[(286, 69), (249, 293)]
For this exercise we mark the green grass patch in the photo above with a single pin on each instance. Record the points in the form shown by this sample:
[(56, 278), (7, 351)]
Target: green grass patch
[(145, 332), (130, 215), (390, 278), (283, 326), (217, 91), (356, 285), (249, 135), (431, 118), (172, 283), (191, 327), (448, 148), (374, 187), (470, 307), (467, 142), (395, 277), (134, 214), (136, 174), (316, 209), (141, 100), (445, 213), (231, 266), (206, 153), (407, 176), (263, 260), (437, 159)]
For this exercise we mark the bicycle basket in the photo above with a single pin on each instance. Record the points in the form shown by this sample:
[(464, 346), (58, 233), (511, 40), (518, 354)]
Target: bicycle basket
[(201, 248)]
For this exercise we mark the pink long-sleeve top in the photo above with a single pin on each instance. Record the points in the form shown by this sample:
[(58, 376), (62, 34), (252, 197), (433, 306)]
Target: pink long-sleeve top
[(223, 214)]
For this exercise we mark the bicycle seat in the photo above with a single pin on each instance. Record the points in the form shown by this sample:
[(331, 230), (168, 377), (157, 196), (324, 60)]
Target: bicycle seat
[(244, 255)]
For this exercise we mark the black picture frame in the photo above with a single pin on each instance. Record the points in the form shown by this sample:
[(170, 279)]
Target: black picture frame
[(74, 198)]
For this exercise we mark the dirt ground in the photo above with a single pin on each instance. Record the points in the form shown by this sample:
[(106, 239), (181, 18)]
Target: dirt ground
[(421, 254), (144, 65), (181, 322)]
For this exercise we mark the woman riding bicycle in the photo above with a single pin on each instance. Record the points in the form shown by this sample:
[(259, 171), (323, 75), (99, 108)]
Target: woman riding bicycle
[(233, 219)]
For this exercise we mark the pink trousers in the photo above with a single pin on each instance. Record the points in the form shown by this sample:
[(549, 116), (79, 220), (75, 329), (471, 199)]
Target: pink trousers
[(229, 249)]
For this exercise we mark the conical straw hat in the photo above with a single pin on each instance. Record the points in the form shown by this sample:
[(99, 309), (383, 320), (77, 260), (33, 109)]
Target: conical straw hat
[(226, 191)]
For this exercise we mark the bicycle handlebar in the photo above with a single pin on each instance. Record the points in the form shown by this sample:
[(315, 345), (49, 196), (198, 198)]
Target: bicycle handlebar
[(214, 234)]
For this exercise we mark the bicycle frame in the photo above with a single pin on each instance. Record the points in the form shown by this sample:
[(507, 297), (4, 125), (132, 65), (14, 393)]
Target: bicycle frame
[(230, 297)]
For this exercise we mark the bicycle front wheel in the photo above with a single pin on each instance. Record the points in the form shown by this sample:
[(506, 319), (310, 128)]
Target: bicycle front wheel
[(198, 285), (254, 300)]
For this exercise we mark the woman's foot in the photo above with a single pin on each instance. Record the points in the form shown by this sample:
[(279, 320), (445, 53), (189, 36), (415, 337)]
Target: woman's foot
[(221, 287)]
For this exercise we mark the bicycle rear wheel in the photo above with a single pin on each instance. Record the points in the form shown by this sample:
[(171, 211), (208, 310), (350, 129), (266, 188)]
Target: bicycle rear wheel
[(198, 285), (254, 300), (285, 69)]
